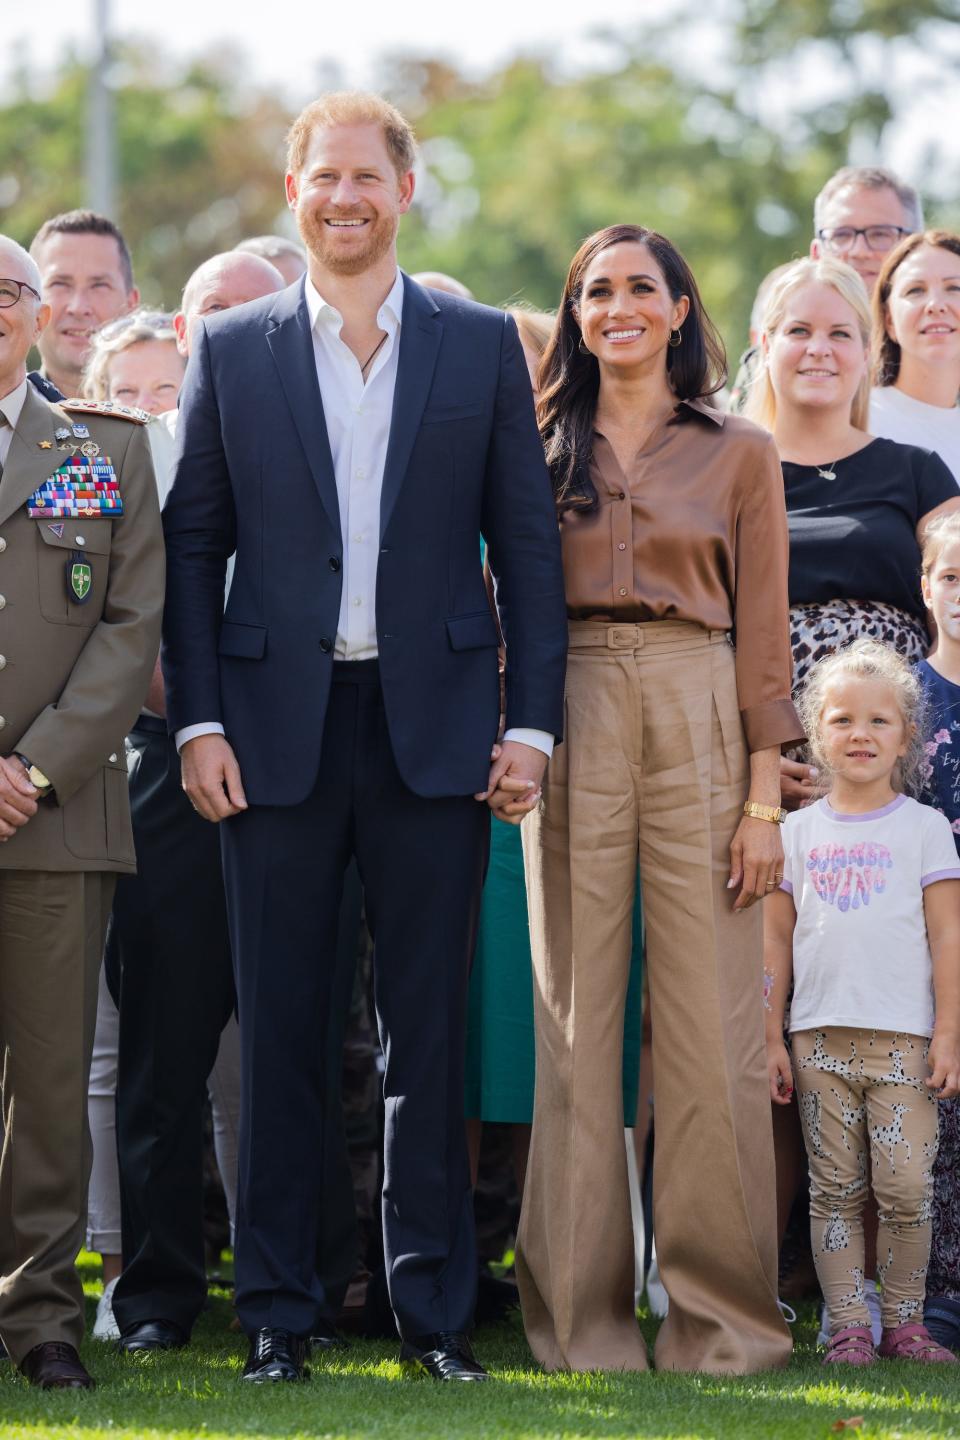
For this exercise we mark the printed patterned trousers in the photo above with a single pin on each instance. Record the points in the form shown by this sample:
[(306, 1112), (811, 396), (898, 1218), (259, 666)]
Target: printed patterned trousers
[(860, 1087)]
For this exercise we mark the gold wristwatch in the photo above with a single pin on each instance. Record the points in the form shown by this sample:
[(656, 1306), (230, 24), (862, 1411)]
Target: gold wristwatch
[(35, 776), (773, 813)]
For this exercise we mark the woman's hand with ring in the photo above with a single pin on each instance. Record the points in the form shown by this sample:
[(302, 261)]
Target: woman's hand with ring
[(756, 861)]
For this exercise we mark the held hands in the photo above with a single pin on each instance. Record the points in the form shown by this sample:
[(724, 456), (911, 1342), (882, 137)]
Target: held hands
[(944, 1062), (756, 861), (18, 798), (780, 1072), (798, 784), (513, 788), (211, 778)]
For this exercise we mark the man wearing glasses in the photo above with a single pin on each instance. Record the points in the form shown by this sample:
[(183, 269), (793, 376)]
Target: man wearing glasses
[(860, 214), (81, 576)]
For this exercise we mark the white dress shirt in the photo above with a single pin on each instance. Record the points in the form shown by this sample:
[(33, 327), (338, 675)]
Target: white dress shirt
[(11, 405), (358, 416)]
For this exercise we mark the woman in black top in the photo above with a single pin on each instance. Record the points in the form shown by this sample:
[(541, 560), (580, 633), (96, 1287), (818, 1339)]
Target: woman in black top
[(857, 506)]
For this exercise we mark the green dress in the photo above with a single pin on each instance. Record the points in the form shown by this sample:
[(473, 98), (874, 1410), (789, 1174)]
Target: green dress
[(500, 1045)]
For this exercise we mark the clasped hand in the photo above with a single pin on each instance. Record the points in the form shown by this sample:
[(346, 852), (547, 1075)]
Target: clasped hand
[(514, 786), (18, 797)]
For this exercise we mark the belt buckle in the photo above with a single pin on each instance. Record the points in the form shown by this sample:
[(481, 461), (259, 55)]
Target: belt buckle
[(622, 637)]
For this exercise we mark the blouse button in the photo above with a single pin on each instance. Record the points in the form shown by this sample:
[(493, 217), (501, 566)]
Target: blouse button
[(622, 545), (621, 495), (622, 590)]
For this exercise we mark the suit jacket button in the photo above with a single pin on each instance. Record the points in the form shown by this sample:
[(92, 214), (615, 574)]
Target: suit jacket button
[(334, 563), (326, 644)]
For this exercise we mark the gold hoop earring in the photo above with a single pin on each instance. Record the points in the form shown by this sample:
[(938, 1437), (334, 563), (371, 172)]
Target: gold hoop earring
[(584, 349), (676, 339)]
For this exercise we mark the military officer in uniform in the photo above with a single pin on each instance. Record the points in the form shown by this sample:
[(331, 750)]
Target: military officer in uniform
[(81, 594)]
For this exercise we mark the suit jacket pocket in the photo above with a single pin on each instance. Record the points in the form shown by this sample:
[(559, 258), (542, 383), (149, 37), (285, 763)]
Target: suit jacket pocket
[(440, 414), (472, 632), (242, 642), (96, 820)]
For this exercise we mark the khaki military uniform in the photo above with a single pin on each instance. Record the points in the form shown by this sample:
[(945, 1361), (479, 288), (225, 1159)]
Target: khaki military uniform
[(80, 608)]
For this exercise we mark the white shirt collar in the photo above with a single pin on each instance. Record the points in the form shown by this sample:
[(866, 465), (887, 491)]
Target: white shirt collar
[(12, 404), (388, 316)]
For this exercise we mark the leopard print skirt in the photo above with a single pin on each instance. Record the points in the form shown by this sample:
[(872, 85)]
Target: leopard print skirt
[(819, 630)]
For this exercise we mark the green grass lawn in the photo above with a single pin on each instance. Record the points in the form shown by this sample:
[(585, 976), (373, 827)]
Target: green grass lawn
[(196, 1393)]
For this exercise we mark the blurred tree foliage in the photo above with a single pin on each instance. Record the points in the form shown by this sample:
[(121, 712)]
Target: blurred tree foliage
[(517, 167)]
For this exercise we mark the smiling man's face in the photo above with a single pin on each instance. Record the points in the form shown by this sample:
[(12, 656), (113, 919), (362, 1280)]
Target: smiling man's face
[(85, 286), (348, 198)]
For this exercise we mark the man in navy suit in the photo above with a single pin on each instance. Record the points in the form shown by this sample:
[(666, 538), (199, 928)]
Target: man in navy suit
[(351, 439)]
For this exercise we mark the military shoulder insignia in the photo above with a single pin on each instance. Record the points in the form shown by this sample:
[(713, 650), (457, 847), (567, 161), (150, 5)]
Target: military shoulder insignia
[(108, 408)]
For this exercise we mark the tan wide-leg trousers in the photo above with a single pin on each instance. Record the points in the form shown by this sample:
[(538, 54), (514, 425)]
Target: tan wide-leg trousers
[(52, 929), (653, 763)]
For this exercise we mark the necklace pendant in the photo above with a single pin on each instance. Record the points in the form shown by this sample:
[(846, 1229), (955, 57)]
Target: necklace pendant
[(828, 474)]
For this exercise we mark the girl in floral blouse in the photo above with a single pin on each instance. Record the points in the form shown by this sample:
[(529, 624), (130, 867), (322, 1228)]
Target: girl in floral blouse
[(940, 676)]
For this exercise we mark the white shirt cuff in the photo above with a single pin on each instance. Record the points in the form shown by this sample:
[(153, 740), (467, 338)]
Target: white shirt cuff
[(538, 739), (190, 732)]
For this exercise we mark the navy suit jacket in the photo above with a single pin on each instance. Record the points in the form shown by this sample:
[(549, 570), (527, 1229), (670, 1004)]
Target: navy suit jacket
[(254, 474)]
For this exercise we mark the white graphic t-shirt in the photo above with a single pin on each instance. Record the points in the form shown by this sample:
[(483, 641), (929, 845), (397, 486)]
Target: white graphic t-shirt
[(860, 951)]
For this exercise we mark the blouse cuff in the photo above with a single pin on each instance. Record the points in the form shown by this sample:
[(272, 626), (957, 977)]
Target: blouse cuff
[(774, 723)]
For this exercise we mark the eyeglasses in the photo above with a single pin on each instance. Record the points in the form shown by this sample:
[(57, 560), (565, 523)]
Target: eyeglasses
[(878, 237), (11, 290)]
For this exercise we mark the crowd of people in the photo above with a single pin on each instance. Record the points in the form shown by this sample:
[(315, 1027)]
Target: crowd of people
[(421, 562)]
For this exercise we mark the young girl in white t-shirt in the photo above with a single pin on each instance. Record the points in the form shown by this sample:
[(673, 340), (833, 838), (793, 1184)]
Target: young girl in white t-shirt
[(867, 926)]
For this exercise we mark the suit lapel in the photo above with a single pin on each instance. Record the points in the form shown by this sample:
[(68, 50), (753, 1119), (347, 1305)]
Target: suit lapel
[(421, 331), (27, 466), (291, 345)]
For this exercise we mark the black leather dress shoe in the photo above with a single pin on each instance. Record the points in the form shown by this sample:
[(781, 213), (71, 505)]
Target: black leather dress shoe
[(327, 1339), (152, 1335), (275, 1355), (444, 1356), (56, 1366)]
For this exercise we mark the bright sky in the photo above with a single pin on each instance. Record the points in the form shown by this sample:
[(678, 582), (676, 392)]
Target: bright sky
[(289, 42)]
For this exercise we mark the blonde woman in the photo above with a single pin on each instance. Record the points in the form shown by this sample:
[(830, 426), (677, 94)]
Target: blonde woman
[(857, 506), (135, 361)]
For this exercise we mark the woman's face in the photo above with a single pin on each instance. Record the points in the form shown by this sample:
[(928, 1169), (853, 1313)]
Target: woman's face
[(816, 356), (148, 374), (626, 311), (923, 308)]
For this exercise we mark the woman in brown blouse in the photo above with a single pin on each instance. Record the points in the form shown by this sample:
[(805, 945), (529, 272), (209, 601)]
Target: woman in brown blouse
[(674, 537)]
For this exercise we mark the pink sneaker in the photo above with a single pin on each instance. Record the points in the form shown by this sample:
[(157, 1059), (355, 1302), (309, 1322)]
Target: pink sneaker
[(851, 1346), (914, 1342)]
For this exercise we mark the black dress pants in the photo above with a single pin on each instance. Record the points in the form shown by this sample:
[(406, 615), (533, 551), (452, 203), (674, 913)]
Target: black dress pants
[(168, 964), (422, 863)]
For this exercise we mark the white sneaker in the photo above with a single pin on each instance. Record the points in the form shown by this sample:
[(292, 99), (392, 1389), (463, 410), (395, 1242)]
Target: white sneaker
[(872, 1298), (105, 1326)]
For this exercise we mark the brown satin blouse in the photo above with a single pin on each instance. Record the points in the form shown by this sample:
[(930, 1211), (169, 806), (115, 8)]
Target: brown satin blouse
[(697, 530)]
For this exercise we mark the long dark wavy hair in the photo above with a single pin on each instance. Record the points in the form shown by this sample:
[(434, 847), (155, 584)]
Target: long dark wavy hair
[(569, 379)]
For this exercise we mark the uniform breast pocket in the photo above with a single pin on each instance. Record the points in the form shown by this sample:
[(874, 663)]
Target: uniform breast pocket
[(73, 560)]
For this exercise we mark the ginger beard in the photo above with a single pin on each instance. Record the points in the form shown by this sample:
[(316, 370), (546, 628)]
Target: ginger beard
[(352, 255)]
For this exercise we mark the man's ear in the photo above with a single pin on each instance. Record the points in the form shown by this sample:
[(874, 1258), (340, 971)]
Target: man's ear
[(180, 328)]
